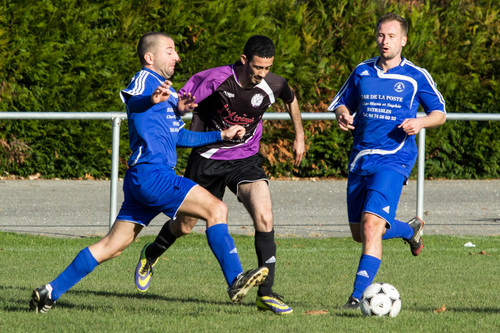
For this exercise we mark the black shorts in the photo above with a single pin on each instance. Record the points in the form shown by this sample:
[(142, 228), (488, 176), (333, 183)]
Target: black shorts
[(215, 175)]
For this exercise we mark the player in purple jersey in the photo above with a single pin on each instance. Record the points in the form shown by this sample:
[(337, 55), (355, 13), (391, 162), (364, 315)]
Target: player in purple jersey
[(238, 94), (379, 103), (151, 186)]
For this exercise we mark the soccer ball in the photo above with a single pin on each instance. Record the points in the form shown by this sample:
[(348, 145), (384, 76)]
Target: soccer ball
[(380, 299)]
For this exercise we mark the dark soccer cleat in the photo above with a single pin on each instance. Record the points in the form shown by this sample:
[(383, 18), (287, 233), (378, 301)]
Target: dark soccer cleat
[(352, 303), (144, 270), (245, 281), (273, 303), (41, 300), (416, 244)]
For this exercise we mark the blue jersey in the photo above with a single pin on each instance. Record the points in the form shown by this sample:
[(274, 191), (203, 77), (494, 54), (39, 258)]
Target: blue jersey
[(156, 130), (381, 102)]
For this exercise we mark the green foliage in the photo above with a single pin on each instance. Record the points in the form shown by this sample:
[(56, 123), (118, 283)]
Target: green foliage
[(73, 55), (188, 291)]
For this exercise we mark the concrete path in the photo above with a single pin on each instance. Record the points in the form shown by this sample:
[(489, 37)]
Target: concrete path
[(303, 208)]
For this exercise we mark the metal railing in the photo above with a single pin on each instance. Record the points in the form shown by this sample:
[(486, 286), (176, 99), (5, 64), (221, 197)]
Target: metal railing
[(117, 117)]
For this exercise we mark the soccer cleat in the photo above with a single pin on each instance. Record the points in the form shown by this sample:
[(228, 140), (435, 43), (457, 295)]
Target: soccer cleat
[(245, 281), (352, 303), (273, 303), (41, 299), (144, 270), (416, 244)]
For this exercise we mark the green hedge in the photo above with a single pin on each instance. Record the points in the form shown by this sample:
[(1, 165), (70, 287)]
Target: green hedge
[(73, 55)]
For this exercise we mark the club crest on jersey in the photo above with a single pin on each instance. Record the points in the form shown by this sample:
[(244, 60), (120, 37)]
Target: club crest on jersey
[(399, 87), (257, 100)]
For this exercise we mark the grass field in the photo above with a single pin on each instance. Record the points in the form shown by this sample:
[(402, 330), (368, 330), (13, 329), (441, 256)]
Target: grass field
[(188, 292)]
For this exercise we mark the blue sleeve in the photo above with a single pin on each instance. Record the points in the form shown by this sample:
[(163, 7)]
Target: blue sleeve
[(428, 95), (346, 95), (190, 139), (139, 103)]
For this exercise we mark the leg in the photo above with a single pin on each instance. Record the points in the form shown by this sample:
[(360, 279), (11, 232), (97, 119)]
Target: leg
[(201, 204), (196, 170), (171, 230), (256, 198), (372, 229), (376, 198), (119, 237)]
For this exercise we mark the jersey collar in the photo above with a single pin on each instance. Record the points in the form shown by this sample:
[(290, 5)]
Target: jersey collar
[(378, 68), (158, 76)]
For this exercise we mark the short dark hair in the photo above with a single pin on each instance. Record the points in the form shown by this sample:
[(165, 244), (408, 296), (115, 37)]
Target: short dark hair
[(148, 43), (393, 17), (260, 46)]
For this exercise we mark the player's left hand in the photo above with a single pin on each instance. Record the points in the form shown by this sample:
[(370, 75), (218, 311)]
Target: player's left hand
[(233, 132), (412, 125), (186, 103)]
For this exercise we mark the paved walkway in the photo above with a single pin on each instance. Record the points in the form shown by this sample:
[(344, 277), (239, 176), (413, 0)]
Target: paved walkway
[(305, 208)]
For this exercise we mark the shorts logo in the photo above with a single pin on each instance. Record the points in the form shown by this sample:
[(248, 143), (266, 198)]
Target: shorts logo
[(257, 100), (386, 209), (399, 87)]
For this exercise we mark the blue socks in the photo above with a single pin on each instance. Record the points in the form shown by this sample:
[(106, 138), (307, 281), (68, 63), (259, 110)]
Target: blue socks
[(369, 265), (399, 230), (222, 245), (367, 269), (82, 265)]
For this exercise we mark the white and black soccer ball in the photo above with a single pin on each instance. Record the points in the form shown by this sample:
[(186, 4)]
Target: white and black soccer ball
[(380, 299)]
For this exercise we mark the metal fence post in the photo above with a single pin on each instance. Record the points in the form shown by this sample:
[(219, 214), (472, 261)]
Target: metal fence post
[(114, 169), (420, 173)]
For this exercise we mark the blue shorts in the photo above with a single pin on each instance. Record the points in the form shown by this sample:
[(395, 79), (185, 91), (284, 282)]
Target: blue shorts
[(377, 193), (150, 190)]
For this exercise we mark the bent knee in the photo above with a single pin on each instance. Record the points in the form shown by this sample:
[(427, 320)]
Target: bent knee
[(219, 211), (185, 227), (116, 254)]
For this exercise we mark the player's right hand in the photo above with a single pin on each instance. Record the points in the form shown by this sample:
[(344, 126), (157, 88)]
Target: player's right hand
[(161, 93), (345, 120), (233, 132)]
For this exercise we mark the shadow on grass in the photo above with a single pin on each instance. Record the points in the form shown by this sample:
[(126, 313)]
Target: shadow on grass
[(22, 305), (485, 310)]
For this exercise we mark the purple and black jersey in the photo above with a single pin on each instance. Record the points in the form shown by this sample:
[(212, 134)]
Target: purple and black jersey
[(223, 102)]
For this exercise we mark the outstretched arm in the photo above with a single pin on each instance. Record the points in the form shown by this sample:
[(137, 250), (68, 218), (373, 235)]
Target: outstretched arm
[(298, 144), (191, 139)]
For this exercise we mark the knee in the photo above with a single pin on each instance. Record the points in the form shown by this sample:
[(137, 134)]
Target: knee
[(115, 254), (373, 229), (264, 221), (184, 227), (184, 230), (219, 212), (104, 251)]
